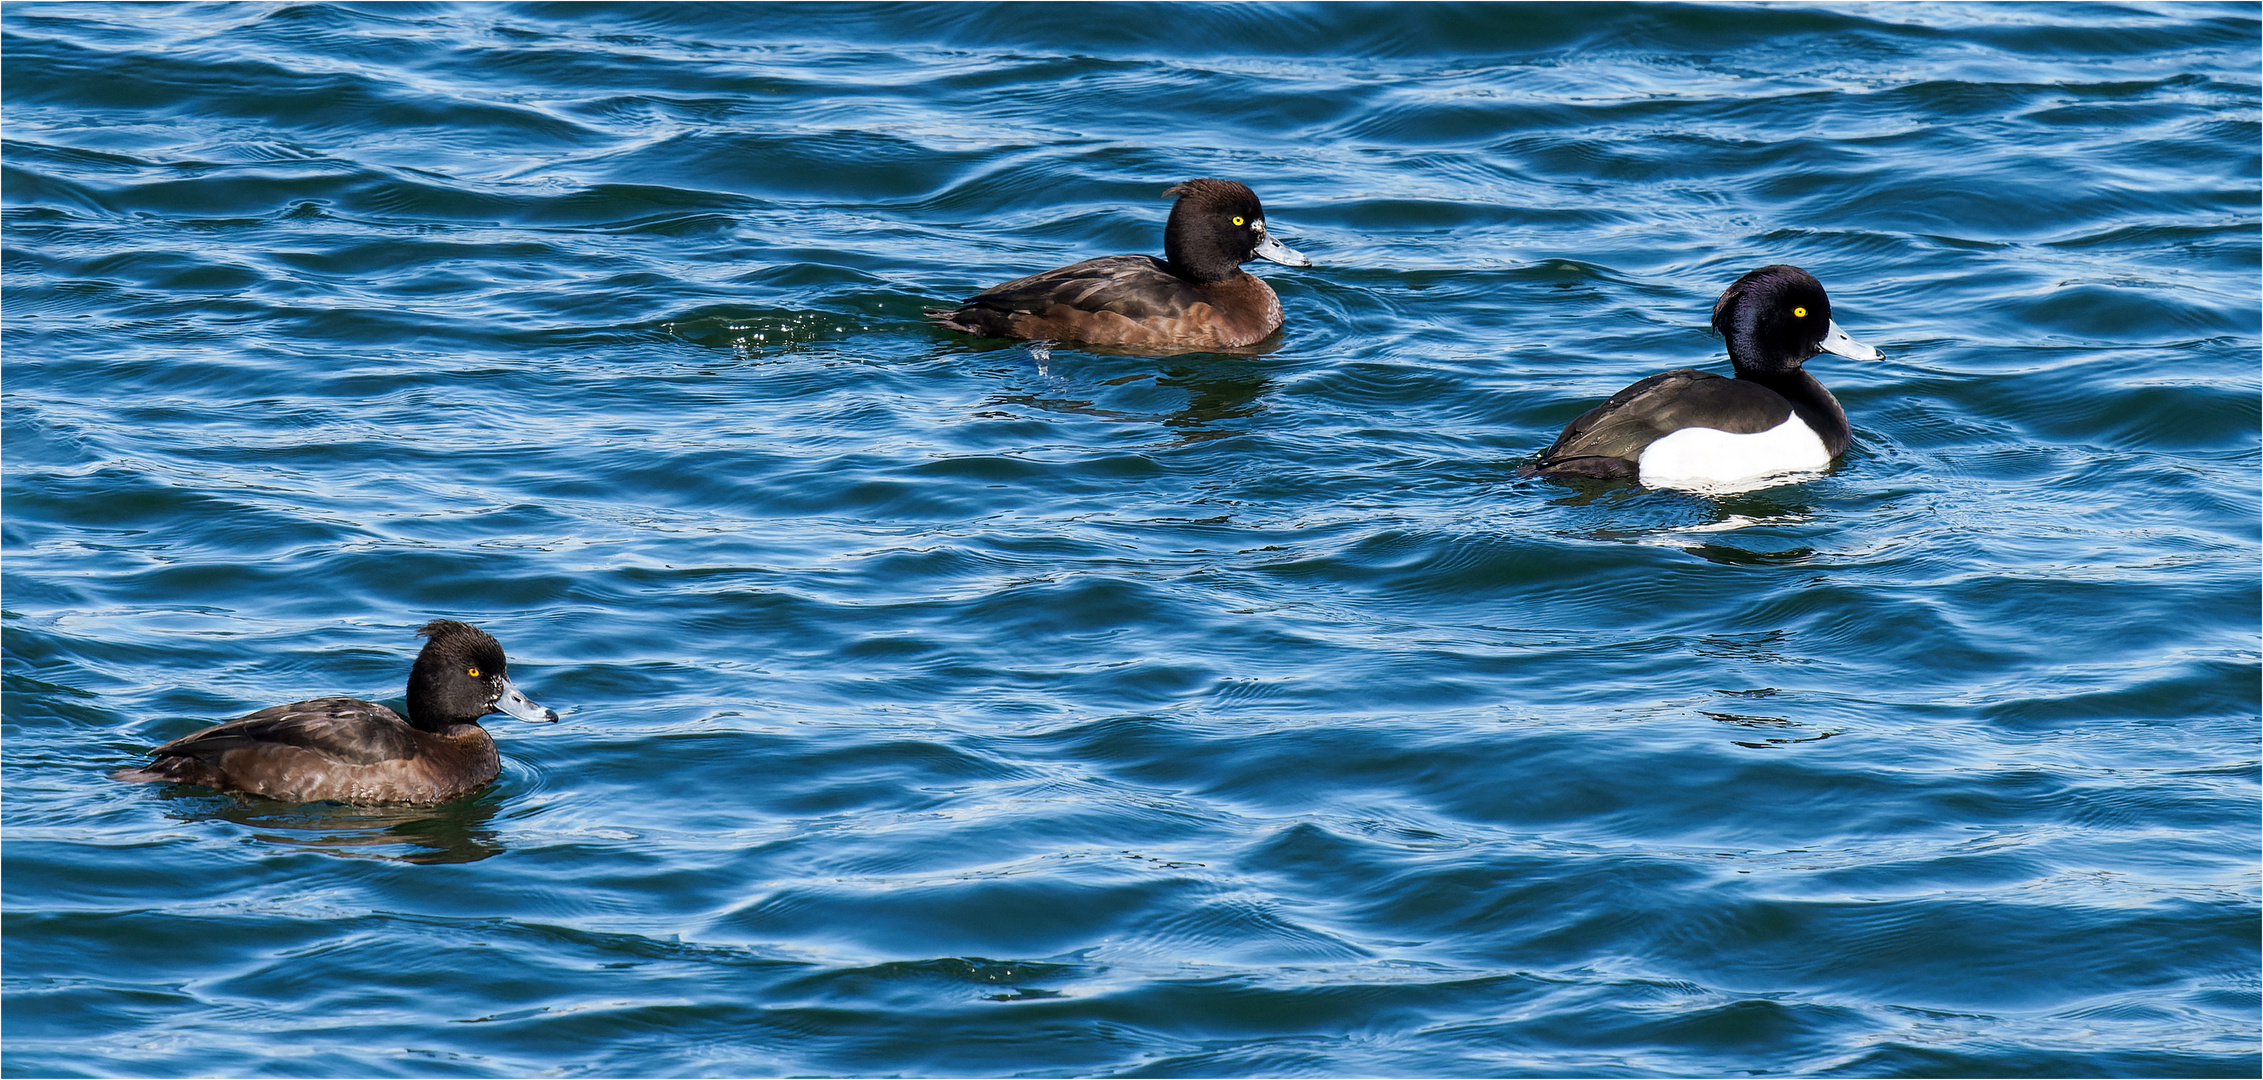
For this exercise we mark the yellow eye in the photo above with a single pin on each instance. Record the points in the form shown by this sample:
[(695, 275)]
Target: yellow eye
[(473, 672), (1239, 221), (1799, 313)]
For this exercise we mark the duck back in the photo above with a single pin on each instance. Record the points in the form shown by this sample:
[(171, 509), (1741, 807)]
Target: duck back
[(1607, 441), (1123, 300), (342, 749)]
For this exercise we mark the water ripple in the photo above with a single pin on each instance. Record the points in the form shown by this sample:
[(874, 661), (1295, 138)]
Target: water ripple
[(1207, 715)]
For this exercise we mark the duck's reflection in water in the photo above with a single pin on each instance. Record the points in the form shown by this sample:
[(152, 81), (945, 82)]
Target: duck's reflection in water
[(1221, 386), (1773, 525), (454, 832)]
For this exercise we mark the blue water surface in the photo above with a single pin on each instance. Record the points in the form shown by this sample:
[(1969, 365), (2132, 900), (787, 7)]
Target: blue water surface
[(937, 706)]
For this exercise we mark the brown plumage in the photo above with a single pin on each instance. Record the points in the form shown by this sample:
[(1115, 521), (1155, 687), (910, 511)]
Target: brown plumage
[(355, 751), (1196, 297)]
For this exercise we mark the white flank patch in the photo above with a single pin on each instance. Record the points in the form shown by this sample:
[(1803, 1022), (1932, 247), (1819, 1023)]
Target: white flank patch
[(1701, 458)]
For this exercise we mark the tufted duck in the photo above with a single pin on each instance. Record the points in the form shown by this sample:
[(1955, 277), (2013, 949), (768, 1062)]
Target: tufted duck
[(1195, 297), (355, 751), (1694, 429)]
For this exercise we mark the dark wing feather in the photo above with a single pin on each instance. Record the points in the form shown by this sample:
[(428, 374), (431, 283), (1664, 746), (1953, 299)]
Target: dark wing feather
[(1137, 287), (342, 729), (1608, 439)]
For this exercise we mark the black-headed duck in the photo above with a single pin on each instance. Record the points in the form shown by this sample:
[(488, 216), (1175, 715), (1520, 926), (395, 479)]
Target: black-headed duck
[(1195, 297), (1697, 430), (354, 751)]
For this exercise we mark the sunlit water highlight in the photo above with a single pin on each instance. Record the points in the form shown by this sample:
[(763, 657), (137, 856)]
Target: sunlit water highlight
[(936, 706)]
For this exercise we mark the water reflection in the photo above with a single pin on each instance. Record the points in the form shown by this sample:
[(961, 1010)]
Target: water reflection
[(1769, 732), (1220, 387), (748, 332), (1762, 647), (1765, 526), (454, 832)]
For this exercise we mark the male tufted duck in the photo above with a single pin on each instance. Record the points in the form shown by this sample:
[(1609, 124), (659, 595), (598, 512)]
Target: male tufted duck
[(1195, 297), (1695, 429), (356, 751)]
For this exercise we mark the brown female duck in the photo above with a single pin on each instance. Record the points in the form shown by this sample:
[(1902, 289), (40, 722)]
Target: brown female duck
[(354, 751), (1195, 297)]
